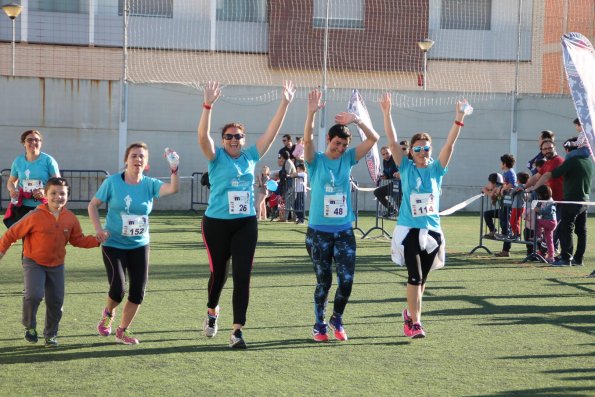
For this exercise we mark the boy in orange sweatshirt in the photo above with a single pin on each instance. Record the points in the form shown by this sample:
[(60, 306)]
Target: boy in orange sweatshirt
[(46, 230)]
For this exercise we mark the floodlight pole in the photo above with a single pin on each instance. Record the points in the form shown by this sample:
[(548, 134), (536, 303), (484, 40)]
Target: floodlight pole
[(123, 123), (322, 128), (13, 10), (425, 46)]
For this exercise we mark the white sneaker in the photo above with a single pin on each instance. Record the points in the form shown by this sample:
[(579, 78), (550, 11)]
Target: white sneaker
[(210, 326)]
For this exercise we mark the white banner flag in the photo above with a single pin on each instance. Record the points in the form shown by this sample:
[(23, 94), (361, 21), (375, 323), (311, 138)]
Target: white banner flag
[(358, 107), (579, 64)]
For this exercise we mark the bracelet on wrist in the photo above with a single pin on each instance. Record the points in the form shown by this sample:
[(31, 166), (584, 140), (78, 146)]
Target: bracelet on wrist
[(206, 106), (459, 123)]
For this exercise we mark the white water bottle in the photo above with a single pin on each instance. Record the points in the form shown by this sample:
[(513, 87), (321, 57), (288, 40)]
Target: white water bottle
[(14, 201), (172, 158), (466, 108)]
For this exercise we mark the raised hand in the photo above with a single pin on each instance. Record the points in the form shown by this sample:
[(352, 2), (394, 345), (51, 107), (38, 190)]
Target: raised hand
[(314, 101), (212, 92), (385, 102), (288, 91), (458, 111), (346, 118)]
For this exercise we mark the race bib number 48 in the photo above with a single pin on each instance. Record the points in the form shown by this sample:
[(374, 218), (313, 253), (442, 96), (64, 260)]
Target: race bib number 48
[(335, 205)]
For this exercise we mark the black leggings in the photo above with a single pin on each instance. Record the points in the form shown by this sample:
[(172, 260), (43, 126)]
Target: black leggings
[(235, 239), (134, 261), (419, 262)]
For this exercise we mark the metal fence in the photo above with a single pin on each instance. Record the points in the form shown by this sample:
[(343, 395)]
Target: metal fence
[(83, 184)]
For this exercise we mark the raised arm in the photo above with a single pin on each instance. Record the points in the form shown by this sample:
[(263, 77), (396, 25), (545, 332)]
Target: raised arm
[(314, 104), (389, 128), (205, 142), (446, 152), (371, 135), (174, 186), (264, 142)]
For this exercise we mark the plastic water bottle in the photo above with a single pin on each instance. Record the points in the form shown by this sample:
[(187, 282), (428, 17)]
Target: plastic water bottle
[(466, 108), (14, 201), (172, 158)]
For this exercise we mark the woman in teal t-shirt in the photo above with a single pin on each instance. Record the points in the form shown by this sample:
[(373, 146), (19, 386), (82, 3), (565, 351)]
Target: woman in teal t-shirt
[(229, 227), (125, 237), (417, 240), (330, 235)]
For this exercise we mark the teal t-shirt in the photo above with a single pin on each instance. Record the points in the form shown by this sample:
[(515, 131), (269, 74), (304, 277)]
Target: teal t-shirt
[(128, 210), (33, 174), (422, 185), (232, 184), (330, 200)]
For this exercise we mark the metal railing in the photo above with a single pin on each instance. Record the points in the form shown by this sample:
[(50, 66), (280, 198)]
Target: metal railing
[(83, 184)]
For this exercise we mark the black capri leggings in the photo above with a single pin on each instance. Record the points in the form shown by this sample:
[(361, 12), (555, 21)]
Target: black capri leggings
[(134, 261), (235, 239), (419, 262)]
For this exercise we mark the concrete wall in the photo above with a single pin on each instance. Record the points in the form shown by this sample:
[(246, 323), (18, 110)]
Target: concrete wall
[(79, 120)]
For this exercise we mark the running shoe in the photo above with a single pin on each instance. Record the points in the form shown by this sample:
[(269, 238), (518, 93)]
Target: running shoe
[(105, 325), (407, 323), (319, 332), (210, 326), (51, 342), (236, 340), (336, 324), (31, 335), (123, 335), (417, 331)]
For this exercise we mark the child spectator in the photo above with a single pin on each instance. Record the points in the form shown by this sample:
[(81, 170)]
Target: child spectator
[(301, 181), (47, 230), (518, 206), (298, 151), (583, 149), (260, 187), (509, 175), (490, 190), (546, 223), (528, 233)]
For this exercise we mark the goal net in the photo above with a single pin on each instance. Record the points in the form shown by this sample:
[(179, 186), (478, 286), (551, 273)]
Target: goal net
[(459, 48)]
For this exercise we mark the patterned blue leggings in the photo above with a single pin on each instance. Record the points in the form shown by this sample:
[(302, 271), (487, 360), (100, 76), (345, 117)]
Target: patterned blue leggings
[(322, 248)]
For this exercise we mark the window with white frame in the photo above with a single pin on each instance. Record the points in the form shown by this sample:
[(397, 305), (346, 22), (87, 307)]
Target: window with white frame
[(342, 14), (148, 8), (466, 14), (69, 6), (242, 10)]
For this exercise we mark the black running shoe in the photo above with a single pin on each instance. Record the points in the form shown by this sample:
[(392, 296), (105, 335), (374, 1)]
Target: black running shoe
[(236, 340)]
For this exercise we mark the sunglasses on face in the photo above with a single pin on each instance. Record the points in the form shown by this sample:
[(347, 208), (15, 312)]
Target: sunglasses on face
[(229, 137), (31, 140), (418, 149)]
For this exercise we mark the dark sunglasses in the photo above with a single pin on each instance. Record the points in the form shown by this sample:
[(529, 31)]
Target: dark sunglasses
[(229, 137), (418, 149)]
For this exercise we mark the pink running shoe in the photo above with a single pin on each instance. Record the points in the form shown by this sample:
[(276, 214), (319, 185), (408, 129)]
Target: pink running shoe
[(337, 325), (124, 336), (105, 325), (407, 323), (417, 331), (319, 332)]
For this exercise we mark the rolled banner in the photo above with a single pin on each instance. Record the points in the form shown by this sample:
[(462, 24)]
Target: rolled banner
[(579, 62), (358, 107), (272, 185)]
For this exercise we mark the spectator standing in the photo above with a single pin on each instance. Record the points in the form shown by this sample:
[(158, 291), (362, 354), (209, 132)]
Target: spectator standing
[(509, 175), (390, 175), (300, 178), (578, 174)]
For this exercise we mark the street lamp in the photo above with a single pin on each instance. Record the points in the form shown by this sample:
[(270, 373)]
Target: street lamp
[(13, 10), (425, 46)]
